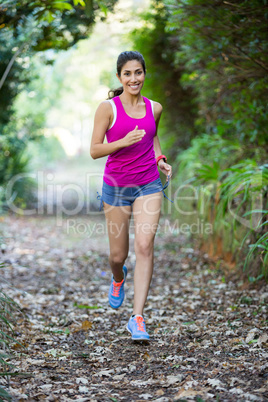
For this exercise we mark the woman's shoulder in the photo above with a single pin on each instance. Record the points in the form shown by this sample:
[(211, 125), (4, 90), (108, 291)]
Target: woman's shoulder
[(157, 108), (105, 106), (105, 103), (157, 105)]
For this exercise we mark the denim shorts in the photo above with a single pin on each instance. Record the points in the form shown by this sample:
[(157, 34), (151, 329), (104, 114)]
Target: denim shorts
[(122, 196)]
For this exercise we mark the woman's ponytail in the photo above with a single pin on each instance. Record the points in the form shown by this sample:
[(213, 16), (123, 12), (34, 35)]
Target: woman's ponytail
[(115, 92)]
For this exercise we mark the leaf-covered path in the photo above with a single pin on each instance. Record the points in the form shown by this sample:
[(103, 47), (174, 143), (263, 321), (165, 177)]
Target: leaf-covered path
[(208, 334)]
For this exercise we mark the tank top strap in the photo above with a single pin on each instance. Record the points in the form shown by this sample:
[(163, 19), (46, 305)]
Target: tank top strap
[(149, 107), (119, 106)]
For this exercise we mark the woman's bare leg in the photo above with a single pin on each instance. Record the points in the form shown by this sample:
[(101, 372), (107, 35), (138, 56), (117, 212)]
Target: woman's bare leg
[(117, 220), (146, 214)]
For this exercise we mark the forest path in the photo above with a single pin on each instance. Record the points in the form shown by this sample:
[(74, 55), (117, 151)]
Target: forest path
[(208, 339)]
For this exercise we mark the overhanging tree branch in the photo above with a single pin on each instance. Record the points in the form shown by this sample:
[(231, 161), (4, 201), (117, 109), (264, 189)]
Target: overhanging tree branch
[(10, 64)]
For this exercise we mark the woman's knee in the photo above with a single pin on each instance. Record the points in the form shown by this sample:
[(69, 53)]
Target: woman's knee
[(118, 256), (144, 247)]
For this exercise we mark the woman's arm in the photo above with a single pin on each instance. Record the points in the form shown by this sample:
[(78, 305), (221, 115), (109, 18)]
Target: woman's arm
[(102, 120), (157, 114), (163, 166)]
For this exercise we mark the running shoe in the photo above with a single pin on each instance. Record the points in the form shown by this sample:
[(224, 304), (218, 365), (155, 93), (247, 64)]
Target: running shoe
[(116, 291), (136, 326)]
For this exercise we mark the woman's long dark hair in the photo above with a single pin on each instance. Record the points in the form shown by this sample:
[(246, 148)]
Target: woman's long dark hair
[(123, 58)]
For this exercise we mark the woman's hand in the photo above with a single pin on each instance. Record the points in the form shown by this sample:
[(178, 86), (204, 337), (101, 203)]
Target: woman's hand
[(133, 136), (165, 168)]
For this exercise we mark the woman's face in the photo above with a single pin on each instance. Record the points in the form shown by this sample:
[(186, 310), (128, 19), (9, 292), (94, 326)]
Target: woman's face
[(132, 77)]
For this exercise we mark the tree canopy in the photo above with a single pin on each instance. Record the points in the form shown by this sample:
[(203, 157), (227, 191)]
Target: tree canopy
[(30, 27)]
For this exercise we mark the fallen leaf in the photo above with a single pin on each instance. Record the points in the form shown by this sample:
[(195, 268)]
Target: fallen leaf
[(119, 376), (262, 340), (81, 380), (46, 387), (146, 396), (86, 325), (83, 389), (215, 383), (185, 393), (251, 335), (173, 379), (146, 356), (106, 373)]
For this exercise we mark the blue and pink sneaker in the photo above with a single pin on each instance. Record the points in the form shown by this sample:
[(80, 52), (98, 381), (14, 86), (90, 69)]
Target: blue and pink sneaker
[(136, 326), (116, 291)]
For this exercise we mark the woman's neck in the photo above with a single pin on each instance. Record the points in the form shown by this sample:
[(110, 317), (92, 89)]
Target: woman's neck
[(132, 100)]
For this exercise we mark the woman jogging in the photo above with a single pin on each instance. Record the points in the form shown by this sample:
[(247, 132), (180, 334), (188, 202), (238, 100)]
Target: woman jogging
[(131, 182)]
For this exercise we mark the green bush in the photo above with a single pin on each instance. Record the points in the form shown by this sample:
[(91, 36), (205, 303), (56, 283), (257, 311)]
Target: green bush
[(232, 197), (14, 161)]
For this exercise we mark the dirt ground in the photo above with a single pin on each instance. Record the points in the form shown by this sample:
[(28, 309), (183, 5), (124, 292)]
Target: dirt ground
[(208, 334)]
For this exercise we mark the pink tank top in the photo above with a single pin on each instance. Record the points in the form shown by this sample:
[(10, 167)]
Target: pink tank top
[(134, 165)]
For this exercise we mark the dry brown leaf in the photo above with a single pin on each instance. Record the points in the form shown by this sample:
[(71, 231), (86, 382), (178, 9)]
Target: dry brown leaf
[(185, 393), (86, 325), (146, 356)]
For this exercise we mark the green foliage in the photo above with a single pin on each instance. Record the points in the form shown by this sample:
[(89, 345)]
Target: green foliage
[(210, 55), (27, 28), (243, 189), (51, 24), (12, 159), (258, 250), (224, 48), (200, 170), (45, 152), (232, 197), (14, 162), (5, 395), (17, 159), (207, 148)]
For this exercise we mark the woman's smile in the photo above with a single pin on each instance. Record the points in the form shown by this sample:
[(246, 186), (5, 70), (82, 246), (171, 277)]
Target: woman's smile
[(136, 86)]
